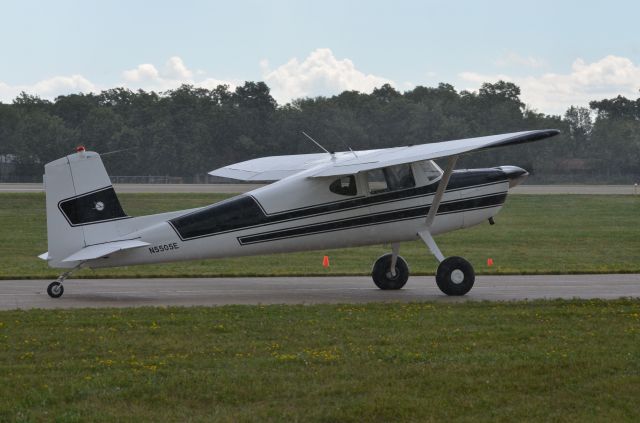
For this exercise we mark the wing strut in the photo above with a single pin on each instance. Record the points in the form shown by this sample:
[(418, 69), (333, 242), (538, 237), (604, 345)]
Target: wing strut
[(442, 186), (433, 210)]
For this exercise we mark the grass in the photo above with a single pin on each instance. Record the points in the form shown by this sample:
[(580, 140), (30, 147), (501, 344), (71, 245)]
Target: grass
[(477, 361), (533, 235)]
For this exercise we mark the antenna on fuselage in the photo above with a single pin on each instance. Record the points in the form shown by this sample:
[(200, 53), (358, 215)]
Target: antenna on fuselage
[(316, 142)]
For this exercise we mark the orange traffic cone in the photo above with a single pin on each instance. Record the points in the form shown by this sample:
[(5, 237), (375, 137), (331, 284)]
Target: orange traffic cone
[(489, 262), (325, 262)]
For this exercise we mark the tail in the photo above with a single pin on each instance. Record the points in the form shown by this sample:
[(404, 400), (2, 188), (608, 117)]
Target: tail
[(81, 204)]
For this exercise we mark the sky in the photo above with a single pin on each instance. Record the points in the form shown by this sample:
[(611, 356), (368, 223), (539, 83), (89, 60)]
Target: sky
[(560, 53)]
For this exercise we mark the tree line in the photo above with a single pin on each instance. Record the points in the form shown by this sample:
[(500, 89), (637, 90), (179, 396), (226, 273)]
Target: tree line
[(189, 131)]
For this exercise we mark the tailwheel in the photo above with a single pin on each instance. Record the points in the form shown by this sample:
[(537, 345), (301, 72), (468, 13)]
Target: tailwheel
[(386, 278), (455, 276), (55, 289)]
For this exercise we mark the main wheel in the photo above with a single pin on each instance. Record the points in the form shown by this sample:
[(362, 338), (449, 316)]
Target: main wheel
[(455, 276), (382, 276), (55, 289)]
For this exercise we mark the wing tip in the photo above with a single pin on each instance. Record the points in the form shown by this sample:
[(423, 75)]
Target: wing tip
[(535, 135), (551, 132)]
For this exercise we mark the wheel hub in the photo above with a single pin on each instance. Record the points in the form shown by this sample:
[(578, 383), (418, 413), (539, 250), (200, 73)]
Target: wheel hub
[(391, 276), (457, 276)]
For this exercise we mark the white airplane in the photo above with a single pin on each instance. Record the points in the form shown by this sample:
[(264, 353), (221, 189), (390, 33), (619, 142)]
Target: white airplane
[(318, 201)]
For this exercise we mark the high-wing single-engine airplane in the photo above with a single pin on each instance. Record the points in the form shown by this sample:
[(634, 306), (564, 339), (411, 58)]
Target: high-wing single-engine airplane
[(317, 201)]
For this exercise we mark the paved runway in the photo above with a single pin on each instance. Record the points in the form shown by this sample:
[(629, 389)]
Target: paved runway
[(26, 294), (237, 188)]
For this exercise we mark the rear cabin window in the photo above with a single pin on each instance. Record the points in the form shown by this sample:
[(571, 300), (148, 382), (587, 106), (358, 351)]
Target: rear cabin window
[(390, 178), (344, 186)]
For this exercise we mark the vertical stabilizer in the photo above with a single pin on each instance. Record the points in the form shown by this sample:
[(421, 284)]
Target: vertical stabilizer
[(80, 198)]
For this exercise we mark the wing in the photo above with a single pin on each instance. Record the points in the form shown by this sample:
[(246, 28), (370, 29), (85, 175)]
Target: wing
[(399, 155), (346, 163)]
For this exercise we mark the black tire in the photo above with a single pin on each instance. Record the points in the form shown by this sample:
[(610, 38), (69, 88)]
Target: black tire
[(382, 276), (55, 289), (455, 276)]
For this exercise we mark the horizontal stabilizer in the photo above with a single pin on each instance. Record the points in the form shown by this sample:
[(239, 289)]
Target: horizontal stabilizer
[(100, 250), (44, 256)]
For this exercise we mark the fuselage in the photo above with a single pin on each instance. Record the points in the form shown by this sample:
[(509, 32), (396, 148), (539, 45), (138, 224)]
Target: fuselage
[(301, 213)]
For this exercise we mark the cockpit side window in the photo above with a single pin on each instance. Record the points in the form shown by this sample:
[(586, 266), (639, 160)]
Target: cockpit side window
[(345, 185), (377, 181), (429, 169), (399, 177), (390, 178)]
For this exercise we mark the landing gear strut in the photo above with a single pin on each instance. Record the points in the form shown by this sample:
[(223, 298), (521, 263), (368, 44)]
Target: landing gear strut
[(55, 288)]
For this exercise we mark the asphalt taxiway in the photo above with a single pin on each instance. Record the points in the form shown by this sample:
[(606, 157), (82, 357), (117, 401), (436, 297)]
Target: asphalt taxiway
[(80, 293)]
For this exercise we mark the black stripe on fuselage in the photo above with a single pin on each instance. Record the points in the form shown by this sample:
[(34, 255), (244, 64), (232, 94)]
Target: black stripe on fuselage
[(476, 203), (245, 212)]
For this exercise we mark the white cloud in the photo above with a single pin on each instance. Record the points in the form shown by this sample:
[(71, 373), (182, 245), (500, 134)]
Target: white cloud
[(176, 68), (321, 73), (555, 92), (174, 74), (48, 88), (144, 72), (144, 76)]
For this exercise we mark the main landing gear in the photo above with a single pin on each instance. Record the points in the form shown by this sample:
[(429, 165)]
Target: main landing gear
[(455, 275), (390, 271), (55, 288)]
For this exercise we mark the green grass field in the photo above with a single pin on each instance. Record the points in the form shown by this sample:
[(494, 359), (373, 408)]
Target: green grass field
[(533, 234), (477, 361)]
